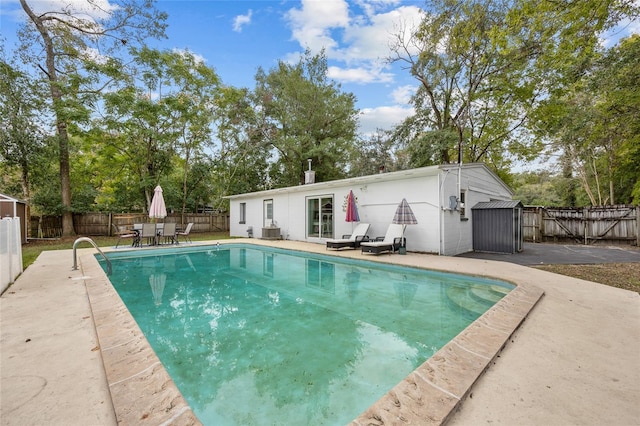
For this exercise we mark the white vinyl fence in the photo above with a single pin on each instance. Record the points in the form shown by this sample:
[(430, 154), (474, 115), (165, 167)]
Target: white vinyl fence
[(10, 251)]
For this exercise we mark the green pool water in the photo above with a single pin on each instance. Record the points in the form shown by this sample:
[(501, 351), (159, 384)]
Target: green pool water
[(261, 336)]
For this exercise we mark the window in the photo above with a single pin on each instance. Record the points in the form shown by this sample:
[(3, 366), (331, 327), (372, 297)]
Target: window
[(268, 213), (320, 217), (462, 205), (243, 212), (243, 258), (321, 275), (267, 264)]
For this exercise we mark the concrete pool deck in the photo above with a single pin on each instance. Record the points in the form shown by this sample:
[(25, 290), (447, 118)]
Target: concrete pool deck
[(574, 360)]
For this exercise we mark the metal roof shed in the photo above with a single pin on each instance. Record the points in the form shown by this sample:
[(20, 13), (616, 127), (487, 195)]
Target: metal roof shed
[(497, 226), (12, 207)]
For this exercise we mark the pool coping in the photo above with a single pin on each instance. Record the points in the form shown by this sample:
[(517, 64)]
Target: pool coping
[(142, 390)]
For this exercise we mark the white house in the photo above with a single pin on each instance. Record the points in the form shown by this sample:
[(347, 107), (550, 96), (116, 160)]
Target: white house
[(441, 198)]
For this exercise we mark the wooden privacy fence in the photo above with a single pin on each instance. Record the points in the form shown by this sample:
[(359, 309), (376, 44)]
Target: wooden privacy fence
[(586, 225), (103, 223)]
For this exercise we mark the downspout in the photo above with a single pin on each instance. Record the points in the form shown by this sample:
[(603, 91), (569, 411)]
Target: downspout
[(459, 183), (441, 215)]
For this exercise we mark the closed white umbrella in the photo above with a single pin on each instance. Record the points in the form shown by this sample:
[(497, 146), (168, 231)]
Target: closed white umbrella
[(157, 210), (157, 283)]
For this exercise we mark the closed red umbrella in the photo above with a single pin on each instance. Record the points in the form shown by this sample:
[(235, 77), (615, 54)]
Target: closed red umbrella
[(352, 209)]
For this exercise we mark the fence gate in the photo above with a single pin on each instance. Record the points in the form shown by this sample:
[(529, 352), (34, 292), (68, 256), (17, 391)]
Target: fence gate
[(588, 225)]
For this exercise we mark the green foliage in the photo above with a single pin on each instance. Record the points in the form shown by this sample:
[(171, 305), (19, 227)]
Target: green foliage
[(537, 189), (21, 137), (68, 47), (594, 124), (304, 116), (471, 65), (483, 67), (379, 151), (147, 132), (496, 79)]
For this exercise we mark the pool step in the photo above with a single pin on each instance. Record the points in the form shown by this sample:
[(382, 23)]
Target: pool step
[(476, 300), (488, 294)]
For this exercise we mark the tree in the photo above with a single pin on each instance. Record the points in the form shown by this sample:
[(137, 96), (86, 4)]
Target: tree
[(616, 81), (471, 68), (70, 39), (484, 66), (375, 154), (536, 188), (241, 162), (164, 109), (305, 116), (21, 137), (594, 124)]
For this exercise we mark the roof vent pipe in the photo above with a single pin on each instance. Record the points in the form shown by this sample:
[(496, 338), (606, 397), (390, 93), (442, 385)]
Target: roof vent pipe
[(309, 175)]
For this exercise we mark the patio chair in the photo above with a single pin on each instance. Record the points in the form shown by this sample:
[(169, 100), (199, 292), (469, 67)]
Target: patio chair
[(149, 232), (185, 233), (169, 233), (389, 243), (350, 241), (124, 233)]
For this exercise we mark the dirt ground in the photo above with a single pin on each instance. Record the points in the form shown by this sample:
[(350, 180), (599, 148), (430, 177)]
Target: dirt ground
[(620, 275)]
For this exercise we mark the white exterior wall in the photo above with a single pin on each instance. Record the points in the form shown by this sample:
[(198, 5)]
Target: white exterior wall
[(377, 203), (479, 185), (439, 230)]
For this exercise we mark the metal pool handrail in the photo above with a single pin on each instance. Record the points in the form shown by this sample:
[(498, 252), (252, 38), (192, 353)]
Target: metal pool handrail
[(75, 259)]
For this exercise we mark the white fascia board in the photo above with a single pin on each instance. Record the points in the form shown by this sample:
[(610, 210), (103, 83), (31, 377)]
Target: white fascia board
[(361, 180)]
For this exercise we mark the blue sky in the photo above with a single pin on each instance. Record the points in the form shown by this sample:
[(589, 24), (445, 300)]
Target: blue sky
[(235, 37)]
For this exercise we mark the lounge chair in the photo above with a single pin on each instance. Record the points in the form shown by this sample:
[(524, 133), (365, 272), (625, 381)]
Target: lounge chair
[(185, 233), (389, 243), (169, 232), (124, 233), (351, 241)]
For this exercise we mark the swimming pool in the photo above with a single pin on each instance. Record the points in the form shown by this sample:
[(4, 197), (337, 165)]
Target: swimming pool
[(293, 337)]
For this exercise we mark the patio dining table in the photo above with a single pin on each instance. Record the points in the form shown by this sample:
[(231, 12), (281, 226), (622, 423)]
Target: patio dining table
[(137, 228)]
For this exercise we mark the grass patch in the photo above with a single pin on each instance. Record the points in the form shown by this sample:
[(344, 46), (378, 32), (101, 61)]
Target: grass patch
[(620, 275), (33, 248)]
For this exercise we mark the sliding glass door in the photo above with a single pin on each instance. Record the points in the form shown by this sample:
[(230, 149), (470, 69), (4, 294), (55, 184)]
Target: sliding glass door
[(320, 216)]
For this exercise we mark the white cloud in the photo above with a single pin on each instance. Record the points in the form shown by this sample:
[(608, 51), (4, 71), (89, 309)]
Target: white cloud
[(402, 94), (357, 43), (384, 117), (358, 75), (371, 40), (360, 42), (186, 52), (242, 20), (314, 21)]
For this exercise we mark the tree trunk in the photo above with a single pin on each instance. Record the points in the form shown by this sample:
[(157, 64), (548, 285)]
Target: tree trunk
[(26, 194), (65, 180), (61, 124)]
